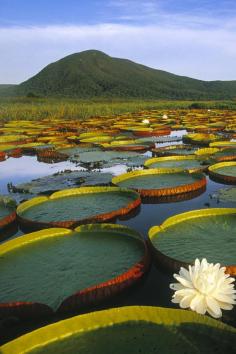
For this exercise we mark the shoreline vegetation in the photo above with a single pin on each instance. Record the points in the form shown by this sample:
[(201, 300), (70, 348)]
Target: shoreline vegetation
[(35, 108)]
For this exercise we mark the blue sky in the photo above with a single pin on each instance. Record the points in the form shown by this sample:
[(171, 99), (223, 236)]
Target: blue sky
[(192, 38)]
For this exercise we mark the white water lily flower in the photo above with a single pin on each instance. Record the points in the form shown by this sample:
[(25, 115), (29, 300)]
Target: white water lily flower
[(204, 287), (145, 121)]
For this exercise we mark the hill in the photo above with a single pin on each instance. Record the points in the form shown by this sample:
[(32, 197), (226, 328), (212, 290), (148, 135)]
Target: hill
[(7, 90), (92, 73)]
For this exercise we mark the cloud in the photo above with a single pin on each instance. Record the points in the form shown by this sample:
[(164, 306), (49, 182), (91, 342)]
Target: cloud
[(204, 53), (169, 12)]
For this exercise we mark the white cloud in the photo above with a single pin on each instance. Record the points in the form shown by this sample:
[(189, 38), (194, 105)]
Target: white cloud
[(206, 54)]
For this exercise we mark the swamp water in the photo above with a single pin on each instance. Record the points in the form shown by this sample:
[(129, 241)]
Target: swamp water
[(154, 290)]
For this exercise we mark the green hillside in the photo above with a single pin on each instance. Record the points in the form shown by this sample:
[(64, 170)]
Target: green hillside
[(94, 74), (7, 90)]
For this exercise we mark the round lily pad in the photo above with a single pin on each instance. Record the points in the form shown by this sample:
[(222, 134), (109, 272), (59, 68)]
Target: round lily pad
[(159, 183), (206, 151), (76, 206), (171, 150), (226, 195), (225, 154), (190, 163), (224, 172), (203, 139), (64, 270), (133, 329), (7, 211), (105, 156), (63, 180), (226, 143), (206, 233)]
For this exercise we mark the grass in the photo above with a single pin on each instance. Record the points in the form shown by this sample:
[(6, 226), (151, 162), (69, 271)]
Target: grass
[(24, 108)]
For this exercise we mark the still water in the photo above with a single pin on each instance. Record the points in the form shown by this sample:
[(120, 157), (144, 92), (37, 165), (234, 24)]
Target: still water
[(154, 289)]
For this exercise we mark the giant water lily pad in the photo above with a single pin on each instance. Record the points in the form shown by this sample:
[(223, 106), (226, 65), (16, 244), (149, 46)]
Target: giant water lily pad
[(65, 269), (224, 172), (174, 150), (157, 182), (7, 211), (226, 143), (190, 162), (76, 150), (201, 138), (226, 195), (226, 154), (75, 206), (134, 329), (103, 159), (206, 233), (63, 180), (104, 156), (160, 139), (12, 138)]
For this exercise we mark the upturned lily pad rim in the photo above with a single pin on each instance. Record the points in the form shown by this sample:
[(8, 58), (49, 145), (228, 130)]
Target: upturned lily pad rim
[(214, 172), (175, 264), (168, 150), (153, 160), (223, 143), (136, 201), (8, 220), (221, 164), (206, 151), (106, 318), (83, 297), (198, 184)]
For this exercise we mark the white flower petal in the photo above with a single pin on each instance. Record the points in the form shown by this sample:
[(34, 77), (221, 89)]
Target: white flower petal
[(225, 306), (201, 306), (176, 286), (184, 281), (195, 301), (224, 298), (213, 313), (186, 292), (213, 306), (204, 287), (185, 302), (184, 273)]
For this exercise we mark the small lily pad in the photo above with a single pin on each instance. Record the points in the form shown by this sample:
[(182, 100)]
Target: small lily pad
[(226, 195)]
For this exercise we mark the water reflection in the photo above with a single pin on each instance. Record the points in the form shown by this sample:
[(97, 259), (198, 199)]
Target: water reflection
[(27, 168)]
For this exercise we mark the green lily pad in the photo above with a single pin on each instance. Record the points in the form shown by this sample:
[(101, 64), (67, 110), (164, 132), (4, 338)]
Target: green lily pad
[(134, 329), (156, 179), (206, 233), (78, 205), (175, 150), (48, 266), (75, 151), (7, 207), (190, 162), (63, 180), (226, 195), (104, 156)]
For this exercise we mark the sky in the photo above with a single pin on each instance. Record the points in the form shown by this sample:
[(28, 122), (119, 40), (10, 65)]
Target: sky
[(195, 38)]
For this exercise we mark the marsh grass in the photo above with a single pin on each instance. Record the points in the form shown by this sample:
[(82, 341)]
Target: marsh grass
[(27, 108)]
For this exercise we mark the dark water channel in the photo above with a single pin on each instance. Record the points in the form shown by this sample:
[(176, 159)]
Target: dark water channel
[(154, 289)]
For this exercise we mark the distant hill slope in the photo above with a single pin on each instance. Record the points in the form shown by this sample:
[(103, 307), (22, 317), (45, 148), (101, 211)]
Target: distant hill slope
[(94, 74), (7, 90)]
